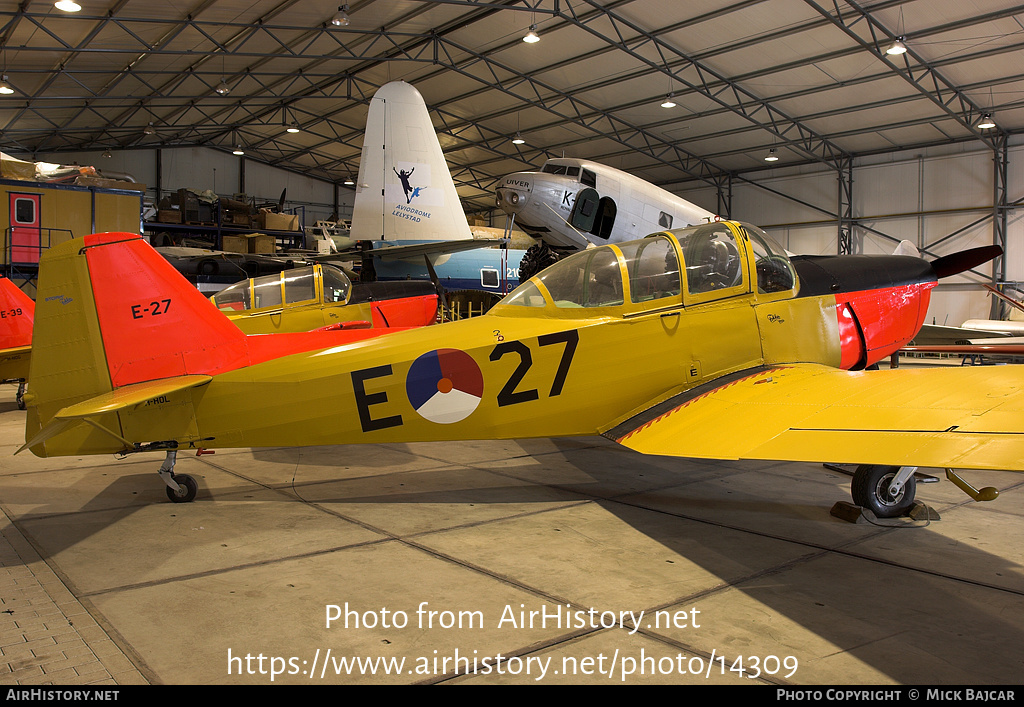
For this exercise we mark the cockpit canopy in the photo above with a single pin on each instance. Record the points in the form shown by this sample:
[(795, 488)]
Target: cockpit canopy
[(288, 287), (719, 260)]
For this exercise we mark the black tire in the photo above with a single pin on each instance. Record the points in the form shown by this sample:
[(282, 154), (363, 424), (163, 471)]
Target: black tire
[(20, 397), (187, 489), (536, 258), (868, 490)]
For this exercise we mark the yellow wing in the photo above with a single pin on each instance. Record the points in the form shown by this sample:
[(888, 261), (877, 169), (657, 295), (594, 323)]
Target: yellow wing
[(968, 418)]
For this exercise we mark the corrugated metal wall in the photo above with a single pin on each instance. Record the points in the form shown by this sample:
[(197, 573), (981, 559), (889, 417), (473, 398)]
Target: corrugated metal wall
[(940, 200)]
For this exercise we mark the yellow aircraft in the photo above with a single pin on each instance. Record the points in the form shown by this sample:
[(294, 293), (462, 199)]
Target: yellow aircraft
[(322, 295), (705, 341)]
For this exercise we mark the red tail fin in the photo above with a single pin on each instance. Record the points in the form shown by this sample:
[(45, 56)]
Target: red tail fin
[(155, 324), (17, 312)]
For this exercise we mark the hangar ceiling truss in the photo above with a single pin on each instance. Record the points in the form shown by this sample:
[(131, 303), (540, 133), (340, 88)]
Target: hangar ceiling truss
[(808, 78)]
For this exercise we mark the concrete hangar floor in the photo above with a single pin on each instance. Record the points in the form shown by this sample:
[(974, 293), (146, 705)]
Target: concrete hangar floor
[(495, 562)]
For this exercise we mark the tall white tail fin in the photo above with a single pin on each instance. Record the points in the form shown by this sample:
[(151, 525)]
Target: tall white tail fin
[(405, 190)]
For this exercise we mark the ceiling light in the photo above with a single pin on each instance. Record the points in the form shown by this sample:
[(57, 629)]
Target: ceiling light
[(67, 5), (223, 89), (349, 181), (771, 156), (294, 127), (238, 150), (518, 139), (5, 88), (149, 129), (532, 35), (341, 19), (986, 122), (897, 47), (669, 103), (106, 153)]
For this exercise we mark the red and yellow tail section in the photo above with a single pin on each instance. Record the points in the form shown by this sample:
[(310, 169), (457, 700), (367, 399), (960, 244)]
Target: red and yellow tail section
[(118, 327), (17, 311)]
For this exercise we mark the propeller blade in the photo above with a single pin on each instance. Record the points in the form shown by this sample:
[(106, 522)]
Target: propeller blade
[(965, 260)]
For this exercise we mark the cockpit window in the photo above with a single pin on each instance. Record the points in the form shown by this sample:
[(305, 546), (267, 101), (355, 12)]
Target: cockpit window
[(712, 258), (526, 295), (266, 291), (774, 271), (336, 284), (653, 268), (588, 279), (298, 285), (234, 298), (567, 170)]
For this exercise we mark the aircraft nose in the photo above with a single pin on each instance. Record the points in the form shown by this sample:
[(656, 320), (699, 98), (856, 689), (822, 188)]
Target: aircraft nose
[(512, 200)]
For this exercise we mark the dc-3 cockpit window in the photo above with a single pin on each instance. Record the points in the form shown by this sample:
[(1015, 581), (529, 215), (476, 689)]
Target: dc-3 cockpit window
[(712, 258), (774, 271), (567, 170)]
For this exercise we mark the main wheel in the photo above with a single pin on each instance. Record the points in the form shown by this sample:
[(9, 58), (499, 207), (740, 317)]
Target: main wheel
[(187, 488), (870, 490), (536, 258)]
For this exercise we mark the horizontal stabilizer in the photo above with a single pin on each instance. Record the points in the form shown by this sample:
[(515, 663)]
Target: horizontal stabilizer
[(971, 418), (130, 395), (113, 401), (418, 250)]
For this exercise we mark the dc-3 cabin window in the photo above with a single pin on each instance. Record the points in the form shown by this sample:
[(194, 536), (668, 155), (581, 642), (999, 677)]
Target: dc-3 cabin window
[(588, 179)]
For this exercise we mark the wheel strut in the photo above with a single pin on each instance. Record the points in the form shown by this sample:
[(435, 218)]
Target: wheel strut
[(181, 488)]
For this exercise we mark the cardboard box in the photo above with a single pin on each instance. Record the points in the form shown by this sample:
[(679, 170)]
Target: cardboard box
[(235, 244), (278, 222), (262, 243)]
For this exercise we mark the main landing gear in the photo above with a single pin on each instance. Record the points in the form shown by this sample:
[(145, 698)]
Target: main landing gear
[(181, 488), (888, 491)]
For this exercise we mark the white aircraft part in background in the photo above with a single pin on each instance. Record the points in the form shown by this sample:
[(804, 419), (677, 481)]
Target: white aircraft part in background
[(571, 203)]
